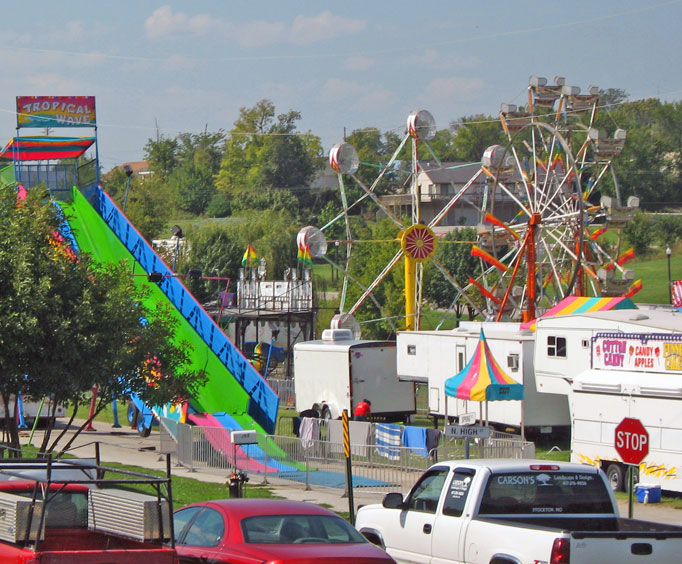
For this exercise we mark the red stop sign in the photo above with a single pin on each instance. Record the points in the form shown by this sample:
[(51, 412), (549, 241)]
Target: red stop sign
[(632, 440)]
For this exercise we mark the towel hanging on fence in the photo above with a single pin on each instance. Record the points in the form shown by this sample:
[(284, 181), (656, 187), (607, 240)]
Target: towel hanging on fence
[(309, 431), (387, 438), (432, 438), (415, 439)]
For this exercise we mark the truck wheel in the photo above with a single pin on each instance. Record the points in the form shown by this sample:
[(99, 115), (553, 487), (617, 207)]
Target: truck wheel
[(141, 429), (133, 413), (616, 477), (374, 539)]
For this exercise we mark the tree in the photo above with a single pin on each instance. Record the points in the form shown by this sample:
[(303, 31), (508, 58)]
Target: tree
[(69, 323), (638, 233), (473, 135), (162, 155), (265, 156), (454, 253), (216, 252)]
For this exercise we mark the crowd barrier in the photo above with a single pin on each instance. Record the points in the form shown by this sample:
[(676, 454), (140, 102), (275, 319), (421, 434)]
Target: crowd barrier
[(318, 458)]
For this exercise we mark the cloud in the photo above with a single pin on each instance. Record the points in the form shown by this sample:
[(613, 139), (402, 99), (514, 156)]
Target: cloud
[(166, 23), (354, 95), (434, 59), (358, 63), (306, 30), (453, 88), (303, 30)]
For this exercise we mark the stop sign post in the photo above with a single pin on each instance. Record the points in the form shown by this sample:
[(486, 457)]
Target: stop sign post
[(632, 441), (632, 444)]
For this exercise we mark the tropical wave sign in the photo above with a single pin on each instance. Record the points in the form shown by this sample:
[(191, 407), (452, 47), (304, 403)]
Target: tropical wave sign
[(56, 111)]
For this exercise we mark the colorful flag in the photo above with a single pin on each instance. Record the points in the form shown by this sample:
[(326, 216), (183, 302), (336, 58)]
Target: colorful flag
[(478, 252), (636, 287), (621, 260), (490, 218), (599, 232), (250, 257), (304, 254), (485, 292)]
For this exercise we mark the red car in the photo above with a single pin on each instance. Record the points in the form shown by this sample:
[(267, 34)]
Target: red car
[(269, 531)]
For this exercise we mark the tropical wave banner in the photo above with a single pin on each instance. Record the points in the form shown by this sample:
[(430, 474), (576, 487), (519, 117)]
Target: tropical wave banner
[(56, 111)]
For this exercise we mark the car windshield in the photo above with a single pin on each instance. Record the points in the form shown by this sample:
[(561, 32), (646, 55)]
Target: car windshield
[(298, 529), (537, 493)]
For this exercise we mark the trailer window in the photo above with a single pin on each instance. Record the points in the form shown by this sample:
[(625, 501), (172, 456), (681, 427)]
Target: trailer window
[(541, 493), (556, 346)]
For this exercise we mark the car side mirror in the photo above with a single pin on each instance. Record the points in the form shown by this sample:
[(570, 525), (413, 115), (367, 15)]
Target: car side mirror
[(393, 500)]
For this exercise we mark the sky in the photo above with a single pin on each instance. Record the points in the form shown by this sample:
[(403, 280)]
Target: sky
[(164, 68)]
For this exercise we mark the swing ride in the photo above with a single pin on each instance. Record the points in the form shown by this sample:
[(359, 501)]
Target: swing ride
[(541, 215)]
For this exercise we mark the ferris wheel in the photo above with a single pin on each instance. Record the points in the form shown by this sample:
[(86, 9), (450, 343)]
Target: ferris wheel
[(415, 242), (539, 240), (539, 225)]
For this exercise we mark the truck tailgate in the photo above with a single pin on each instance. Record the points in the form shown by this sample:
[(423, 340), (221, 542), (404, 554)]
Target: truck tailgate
[(123, 556), (635, 541)]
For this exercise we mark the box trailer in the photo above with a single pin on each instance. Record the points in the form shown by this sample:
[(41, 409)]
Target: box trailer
[(337, 372), (431, 357), (612, 365)]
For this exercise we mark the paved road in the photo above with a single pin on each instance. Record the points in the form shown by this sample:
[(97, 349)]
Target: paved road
[(124, 445)]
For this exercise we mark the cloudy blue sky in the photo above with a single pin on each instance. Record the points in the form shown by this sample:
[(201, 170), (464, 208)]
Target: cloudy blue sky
[(184, 66)]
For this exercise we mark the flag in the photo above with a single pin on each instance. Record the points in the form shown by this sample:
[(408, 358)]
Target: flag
[(478, 252), (636, 287), (250, 257), (489, 218), (304, 254), (598, 233), (485, 292), (621, 260)]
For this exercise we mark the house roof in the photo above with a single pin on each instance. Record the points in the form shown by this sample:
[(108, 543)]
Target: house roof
[(450, 172)]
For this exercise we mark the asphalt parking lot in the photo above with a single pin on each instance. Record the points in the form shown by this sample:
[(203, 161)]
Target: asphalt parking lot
[(125, 446)]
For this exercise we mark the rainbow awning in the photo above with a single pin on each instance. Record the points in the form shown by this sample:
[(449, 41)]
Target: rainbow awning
[(45, 148), (482, 379), (574, 304)]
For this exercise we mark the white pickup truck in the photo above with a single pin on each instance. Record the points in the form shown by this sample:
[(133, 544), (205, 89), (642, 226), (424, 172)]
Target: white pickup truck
[(514, 512)]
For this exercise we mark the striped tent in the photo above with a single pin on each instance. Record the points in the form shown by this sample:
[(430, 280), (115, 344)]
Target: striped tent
[(482, 379), (45, 148)]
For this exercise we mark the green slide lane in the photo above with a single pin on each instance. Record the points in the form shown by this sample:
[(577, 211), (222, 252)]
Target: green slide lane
[(221, 393)]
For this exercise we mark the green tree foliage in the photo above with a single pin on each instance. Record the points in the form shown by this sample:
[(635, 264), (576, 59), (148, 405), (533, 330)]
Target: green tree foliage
[(162, 154), (639, 233), (473, 135), (668, 229), (454, 253), (649, 165), (386, 311), (69, 323), (266, 160), (217, 252)]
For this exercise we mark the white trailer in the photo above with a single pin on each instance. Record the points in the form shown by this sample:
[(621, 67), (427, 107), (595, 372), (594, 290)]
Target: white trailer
[(432, 357), (33, 409), (612, 365), (337, 372)]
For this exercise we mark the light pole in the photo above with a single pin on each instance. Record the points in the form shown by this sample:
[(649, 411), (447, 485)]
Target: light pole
[(129, 174), (176, 230), (669, 252)]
